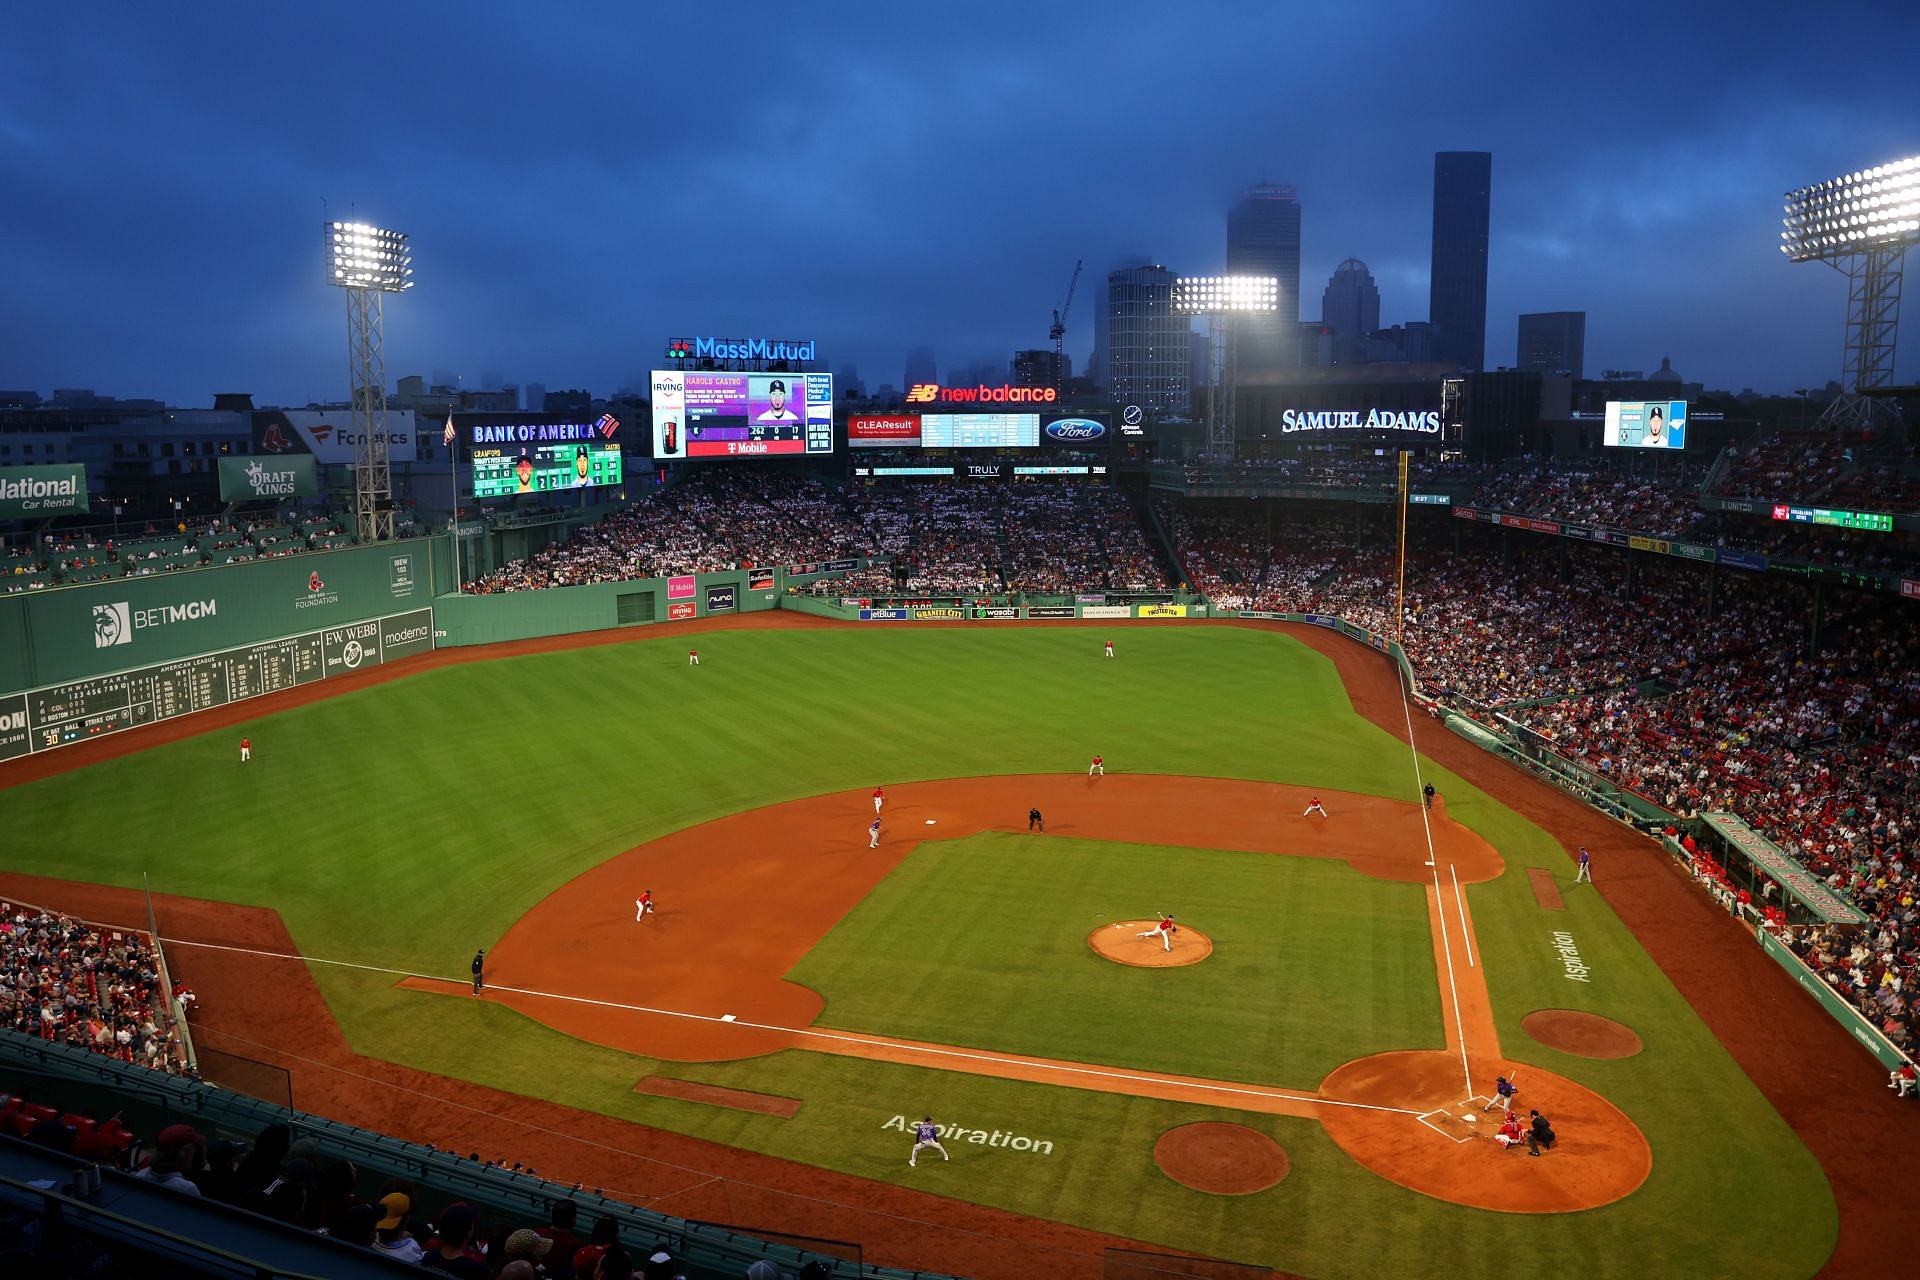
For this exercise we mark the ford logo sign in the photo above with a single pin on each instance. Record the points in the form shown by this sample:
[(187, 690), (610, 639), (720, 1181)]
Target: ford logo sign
[(1075, 430)]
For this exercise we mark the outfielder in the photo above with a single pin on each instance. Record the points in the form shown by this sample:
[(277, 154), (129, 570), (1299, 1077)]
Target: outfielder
[(873, 834), (643, 906), (926, 1134), (1164, 931), (693, 657), (1586, 868), (246, 750), (879, 798), (1315, 807), (1109, 648), (1098, 766)]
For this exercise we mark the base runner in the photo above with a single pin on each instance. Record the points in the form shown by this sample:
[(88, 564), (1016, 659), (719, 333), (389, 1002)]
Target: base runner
[(873, 834), (926, 1134)]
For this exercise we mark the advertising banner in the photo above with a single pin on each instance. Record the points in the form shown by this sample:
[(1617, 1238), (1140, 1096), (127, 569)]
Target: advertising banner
[(1909, 589), (1660, 545), (1163, 611), (741, 415), (1106, 611), (761, 580), (683, 610), (984, 471), (248, 479), (329, 434), (1692, 552), (941, 612), (1050, 611), (1090, 599), (882, 615), (997, 611), (43, 491), (883, 431), (680, 588), (1087, 431), (720, 599), (1744, 560)]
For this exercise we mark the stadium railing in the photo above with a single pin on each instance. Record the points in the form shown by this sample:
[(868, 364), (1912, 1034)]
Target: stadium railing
[(710, 1254)]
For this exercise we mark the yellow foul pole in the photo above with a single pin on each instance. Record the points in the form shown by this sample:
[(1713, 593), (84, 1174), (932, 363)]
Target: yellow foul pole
[(1400, 593)]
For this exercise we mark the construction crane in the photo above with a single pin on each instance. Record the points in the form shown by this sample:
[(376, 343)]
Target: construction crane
[(1059, 331)]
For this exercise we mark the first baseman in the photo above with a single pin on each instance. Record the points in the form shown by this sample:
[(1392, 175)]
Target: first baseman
[(926, 1134), (1164, 931), (1315, 807), (873, 834)]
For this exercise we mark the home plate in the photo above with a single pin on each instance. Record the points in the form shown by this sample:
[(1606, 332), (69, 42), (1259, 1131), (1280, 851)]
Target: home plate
[(929, 821), (726, 1017)]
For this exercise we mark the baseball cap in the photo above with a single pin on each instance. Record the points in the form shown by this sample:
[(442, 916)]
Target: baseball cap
[(527, 1243), (177, 1135), (777, 384), (397, 1205)]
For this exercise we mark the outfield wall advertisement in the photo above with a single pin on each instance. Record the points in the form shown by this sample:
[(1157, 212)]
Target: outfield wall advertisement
[(75, 633), (63, 714), (55, 490)]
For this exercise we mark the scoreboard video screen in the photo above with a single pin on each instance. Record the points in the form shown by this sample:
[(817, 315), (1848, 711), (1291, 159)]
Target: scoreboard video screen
[(543, 457), (741, 415), (1646, 424)]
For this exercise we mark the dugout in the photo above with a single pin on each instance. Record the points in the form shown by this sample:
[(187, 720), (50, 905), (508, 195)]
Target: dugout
[(1752, 862)]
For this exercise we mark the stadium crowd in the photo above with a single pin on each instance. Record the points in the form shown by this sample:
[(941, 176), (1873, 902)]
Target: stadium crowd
[(80, 984)]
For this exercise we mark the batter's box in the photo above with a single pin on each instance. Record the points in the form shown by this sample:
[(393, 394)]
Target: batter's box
[(1455, 1124)]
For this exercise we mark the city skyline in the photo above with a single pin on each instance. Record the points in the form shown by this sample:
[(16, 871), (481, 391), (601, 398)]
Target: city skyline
[(565, 227)]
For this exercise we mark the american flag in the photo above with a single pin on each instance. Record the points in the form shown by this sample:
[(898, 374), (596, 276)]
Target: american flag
[(446, 437)]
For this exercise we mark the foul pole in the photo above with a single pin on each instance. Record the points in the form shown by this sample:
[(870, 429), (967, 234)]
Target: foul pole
[(1400, 591)]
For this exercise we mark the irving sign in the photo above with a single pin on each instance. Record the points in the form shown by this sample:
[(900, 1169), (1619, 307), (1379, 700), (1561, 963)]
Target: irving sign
[(1425, 422)]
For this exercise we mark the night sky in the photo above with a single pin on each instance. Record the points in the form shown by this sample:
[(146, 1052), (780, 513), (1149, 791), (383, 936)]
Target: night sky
[(585, 182)]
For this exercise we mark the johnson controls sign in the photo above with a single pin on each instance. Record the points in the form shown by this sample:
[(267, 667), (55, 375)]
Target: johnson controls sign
[(1418, 421)]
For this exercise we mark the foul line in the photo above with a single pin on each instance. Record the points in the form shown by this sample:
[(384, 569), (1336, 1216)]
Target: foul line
[(842, 1037), (1460, 900), (1439, 905)]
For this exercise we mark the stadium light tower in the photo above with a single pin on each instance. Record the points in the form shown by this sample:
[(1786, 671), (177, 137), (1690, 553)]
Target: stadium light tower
[(1861, 225), (1222, 299), (369, 263)]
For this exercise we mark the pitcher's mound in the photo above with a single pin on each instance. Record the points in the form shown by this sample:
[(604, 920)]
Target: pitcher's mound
[(1224, 1159), (1121, 943), (1585, 1035)]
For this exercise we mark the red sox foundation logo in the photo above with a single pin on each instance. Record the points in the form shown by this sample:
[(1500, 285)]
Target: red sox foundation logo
[(314, 583)]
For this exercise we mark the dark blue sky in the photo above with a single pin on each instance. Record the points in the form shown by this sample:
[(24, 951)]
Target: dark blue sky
[(585, 183)]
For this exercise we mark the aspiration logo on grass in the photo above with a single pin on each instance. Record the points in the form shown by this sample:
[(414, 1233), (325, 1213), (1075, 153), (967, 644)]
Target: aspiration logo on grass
[(980, 1137), (1577, 970)]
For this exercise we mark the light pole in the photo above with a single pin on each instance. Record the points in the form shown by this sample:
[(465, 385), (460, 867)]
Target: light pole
[(1221, 299), (369, 263)]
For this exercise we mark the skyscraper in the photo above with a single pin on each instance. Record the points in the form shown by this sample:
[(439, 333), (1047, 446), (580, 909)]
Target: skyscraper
[(1351, 304), (533, 397), (920, 367), (1148, 342), (1039, 367), (1097, 361), (1457, 305), (1553, 342), (1263, 239)]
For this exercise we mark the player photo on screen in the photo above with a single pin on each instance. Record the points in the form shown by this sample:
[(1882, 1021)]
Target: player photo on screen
[(771, 400)]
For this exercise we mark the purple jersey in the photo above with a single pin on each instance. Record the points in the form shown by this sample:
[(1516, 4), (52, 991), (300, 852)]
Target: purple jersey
[(925, 1133)]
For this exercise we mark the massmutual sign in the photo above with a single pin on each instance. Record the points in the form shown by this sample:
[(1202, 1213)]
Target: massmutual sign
[(739, 349), (1423, 422)]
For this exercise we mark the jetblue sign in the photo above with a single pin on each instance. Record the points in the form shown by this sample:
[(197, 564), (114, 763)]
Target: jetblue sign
[(1425, 422), (1075, 430), (740, 349)]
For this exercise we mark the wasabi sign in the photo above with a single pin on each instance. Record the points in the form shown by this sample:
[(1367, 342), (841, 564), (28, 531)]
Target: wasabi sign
[(42, 491), (290, 475)]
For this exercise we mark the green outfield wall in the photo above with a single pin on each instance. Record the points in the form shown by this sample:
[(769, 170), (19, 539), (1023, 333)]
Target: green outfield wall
[(74, 633), (526, 615)]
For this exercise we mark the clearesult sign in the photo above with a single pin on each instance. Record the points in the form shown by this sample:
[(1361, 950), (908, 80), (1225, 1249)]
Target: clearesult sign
[(43, 491), (290, 476)]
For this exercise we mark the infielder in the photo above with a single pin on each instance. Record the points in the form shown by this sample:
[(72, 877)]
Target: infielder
[(926, 1134), (693, 657), (643, 906), (1586, 868), (1315, 807), (1164, 931), (1503, 1091), (879, 798), (1098, 766), (873, 834), (1109, 648), (246, 750)]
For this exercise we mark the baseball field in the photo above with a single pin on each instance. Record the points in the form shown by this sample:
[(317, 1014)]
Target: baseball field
[(1287, 1084)]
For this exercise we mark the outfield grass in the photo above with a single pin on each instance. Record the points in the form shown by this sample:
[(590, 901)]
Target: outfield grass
[(982, 942), (406, 824)]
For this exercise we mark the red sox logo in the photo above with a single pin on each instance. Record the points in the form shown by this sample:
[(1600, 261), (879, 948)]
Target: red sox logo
[(314, 584)]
